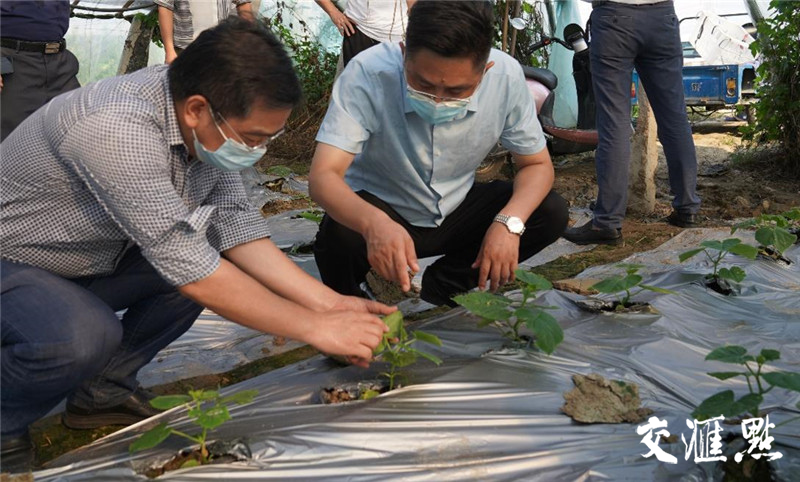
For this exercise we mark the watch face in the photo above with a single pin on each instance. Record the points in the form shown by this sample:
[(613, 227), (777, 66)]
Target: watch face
[(515, 225)]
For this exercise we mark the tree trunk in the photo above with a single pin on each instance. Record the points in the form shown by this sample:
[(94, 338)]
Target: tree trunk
[(644, 160), (136, 51)]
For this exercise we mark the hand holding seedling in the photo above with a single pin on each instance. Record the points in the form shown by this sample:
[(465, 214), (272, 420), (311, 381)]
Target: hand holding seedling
[(391, 252), (349, 333)]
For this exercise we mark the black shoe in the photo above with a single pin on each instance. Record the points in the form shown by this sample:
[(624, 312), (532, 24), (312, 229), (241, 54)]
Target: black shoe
[(135, 409), (683, 220), (16, 454), (589, 234)]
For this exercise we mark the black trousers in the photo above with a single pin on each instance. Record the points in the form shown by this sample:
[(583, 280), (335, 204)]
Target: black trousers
[(354, 44), (341, 253)]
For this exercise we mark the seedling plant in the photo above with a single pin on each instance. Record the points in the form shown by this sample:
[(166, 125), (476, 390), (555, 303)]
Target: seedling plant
[(622, 287), (775, 233), (509, 316), (398, 351), (758, 382), (716, 251), (206, 408)]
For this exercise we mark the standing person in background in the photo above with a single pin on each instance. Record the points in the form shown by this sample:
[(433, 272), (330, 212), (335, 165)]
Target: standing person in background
[(644, 34), (365, 23), (36, 65), (181, 21)]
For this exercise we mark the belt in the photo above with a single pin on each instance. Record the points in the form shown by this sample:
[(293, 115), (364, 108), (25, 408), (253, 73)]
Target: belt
[(39, 47), (600, 3)]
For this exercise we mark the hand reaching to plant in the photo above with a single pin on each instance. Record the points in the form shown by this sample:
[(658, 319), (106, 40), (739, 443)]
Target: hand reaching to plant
[(391, 252), (349, 333), (354, 303), (497, 258)]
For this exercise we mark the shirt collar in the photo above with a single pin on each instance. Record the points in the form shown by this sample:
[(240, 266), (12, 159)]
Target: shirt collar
[(172, 131)]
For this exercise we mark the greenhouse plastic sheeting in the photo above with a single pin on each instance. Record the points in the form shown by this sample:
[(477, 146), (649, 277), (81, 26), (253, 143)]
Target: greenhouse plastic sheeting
[(493, 413)]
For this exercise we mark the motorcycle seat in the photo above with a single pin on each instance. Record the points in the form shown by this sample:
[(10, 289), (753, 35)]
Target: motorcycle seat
[(543, 76)]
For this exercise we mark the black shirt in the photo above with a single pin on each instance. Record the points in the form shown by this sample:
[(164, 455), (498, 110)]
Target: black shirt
[(34, 20)]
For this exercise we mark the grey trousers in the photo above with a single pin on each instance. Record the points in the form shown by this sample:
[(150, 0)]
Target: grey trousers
[(646, 37), (36, 79)]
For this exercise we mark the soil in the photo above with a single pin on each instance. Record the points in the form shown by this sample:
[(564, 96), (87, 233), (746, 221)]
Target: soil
[(594, 305), (597, 400), (352, 392), (388, 292), (218, 453)]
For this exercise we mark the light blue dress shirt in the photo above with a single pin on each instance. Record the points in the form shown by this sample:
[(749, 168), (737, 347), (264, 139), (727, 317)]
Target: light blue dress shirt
[(423, 171)]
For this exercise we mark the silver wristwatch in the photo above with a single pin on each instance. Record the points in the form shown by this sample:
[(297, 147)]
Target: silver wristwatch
[(513, 223)]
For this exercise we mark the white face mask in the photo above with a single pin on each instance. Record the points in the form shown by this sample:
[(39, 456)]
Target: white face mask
[(446, 110), (231, 155)]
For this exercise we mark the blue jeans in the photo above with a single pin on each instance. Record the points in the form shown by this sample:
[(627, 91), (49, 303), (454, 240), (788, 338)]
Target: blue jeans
[(646, 37), (62, 337)]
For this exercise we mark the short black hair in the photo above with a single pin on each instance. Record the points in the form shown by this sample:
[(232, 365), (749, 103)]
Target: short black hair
[(451, 28), (236, 65)]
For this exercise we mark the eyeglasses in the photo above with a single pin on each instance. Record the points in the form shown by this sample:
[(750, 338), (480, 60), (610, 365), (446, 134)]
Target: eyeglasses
[(434, 98), (261, 145)]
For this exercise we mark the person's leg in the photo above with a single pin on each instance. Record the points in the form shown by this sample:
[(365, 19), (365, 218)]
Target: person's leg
[(23, 91), (461, 234), (341, 253), (354, 44), (660, 68), (613, 49), (156, 315), (62, 74), (55, 334)]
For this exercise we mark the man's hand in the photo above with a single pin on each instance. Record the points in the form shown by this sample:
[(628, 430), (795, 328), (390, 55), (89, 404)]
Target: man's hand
[(349, 333), (354, 303), (497, 259), (390, 250), (169, 55)]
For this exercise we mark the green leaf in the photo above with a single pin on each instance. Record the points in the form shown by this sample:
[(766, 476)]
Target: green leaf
[(770, 355), (734, 273), (688, 254), (427, 338), (485, 304), (715, 245), (725, 375), (485, 322), (536, 282), (777, 237), (730, 243), (369, 394), (630, 268), (615, 284), (190, 463), (744, 250), (657, 289), (240, 398), (312, 216), (395, 323), (714, 406), (748, 403), (213, 417), (729, 354), (429, 357), (151, 438), (204, 395), (547, 331), (400, 359), (165, 402), (787, 380)]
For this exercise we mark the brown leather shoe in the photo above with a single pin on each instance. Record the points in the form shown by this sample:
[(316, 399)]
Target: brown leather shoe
[(135, 409)]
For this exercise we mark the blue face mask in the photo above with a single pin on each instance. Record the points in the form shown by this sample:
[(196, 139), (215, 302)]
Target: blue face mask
[(437, 113), (231, 155)]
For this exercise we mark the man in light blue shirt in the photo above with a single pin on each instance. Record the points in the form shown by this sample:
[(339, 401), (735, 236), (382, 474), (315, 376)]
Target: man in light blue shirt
[(395, 165)]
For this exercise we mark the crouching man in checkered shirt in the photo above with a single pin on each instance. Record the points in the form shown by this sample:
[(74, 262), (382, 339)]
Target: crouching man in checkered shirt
[(125, 195)]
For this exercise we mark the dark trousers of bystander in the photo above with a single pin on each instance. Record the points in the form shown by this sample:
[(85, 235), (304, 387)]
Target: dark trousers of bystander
[(37, 78), (341, 253), (62, 337), (646, 37), (354, 44)]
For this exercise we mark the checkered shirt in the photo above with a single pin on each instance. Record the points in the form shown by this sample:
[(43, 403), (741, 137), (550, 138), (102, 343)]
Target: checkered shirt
[(102, 167), (182, 31)]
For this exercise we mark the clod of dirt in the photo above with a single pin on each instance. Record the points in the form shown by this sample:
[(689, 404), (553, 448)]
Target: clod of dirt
[(386, 291), (595, 305), (278, 340), (581, 286), (721, 286), (597, 400), (749, 469)]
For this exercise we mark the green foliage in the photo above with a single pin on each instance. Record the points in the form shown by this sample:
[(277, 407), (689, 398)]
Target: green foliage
[(207, 408), (150, 20), (621, 286), (778, 81), (313, 215), (773, 231), (724, 403), (396, 347), (315, 66), (715, 251), (509, 317), (526, 38)]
